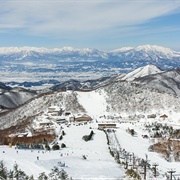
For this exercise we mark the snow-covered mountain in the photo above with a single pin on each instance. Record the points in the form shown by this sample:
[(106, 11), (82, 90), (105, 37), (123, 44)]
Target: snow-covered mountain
[(13, 97), (141, 72), (168, 81), (32, 53), (150, 93), (82, 64), (87, 85), (3, 87), (146, 51), (148, 76)]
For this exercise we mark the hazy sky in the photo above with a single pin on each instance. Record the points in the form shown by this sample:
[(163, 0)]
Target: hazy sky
[(103, 24)]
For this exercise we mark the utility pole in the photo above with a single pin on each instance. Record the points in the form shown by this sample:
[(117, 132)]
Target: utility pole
[(126, 160), (133, 160), (145, 163), (130, 157), (155, 169), (171, 173)]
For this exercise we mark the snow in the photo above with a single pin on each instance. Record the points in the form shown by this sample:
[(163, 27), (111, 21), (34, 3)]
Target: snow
[(94, 102), (99, 162), (154, 48), (122, 99), (141, 72), (121, 49), (139, 146)]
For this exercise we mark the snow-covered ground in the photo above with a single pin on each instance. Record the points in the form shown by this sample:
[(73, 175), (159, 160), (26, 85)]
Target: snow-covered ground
[(139, 146), (94, 102), (99, 163)]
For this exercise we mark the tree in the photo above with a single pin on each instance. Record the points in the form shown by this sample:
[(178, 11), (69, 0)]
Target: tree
[(57, 174), (3, 170), (63, 145), (88, 137), (10, 174), (55, 147), (19, 174), (63, 133), (54, 173), (132, 132), (63, 175), (61, 137), (43, 176), (31, 177), (47, 147)]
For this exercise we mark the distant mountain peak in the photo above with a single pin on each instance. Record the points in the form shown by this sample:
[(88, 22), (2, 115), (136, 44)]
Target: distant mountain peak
[(68, 48), (154, 48), (122, 49), (142, 71)]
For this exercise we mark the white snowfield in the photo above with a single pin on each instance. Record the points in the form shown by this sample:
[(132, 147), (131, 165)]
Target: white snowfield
[(94, 102), (141, 72), (139, 146), (99, 163)]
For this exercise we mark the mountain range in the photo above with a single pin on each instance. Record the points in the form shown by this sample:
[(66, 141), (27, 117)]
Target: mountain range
[(146, 90), (146, 52), (30, 64)]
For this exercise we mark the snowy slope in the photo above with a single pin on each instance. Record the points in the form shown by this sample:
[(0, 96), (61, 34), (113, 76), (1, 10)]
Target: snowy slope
[(131, 98), (64, 100), (142, 71), (139, 146), (167, 81), (15, 97), (94, 102), (118, 97), (99, 163)]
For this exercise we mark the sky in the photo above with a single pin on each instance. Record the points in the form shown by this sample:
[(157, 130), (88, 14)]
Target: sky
[(102, 24)]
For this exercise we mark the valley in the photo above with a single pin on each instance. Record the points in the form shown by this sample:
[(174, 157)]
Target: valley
[(122, 126)]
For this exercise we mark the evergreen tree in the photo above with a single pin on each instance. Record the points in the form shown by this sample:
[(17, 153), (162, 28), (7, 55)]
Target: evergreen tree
[(10, 174), (43, 176), (57, 174), (63, 145), (31, 177), (3, 170), (19, 174), (54, 173), (55, 147), (63, 175)]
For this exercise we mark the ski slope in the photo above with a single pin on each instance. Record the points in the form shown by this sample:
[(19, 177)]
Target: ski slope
[(99, 163)]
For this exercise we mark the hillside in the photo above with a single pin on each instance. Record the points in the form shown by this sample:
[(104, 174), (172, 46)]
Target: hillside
[(120, 97), (99, 163), (141, 72), (13, 97), (168, 81), (141, 109)]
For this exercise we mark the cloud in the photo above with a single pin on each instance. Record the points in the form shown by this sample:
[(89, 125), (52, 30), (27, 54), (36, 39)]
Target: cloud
[(80, 17)]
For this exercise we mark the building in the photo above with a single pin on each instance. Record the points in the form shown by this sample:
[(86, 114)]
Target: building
[(80, 118), (106, 125), (61, 121), (45, 123), (164, 116), (55, 111)]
